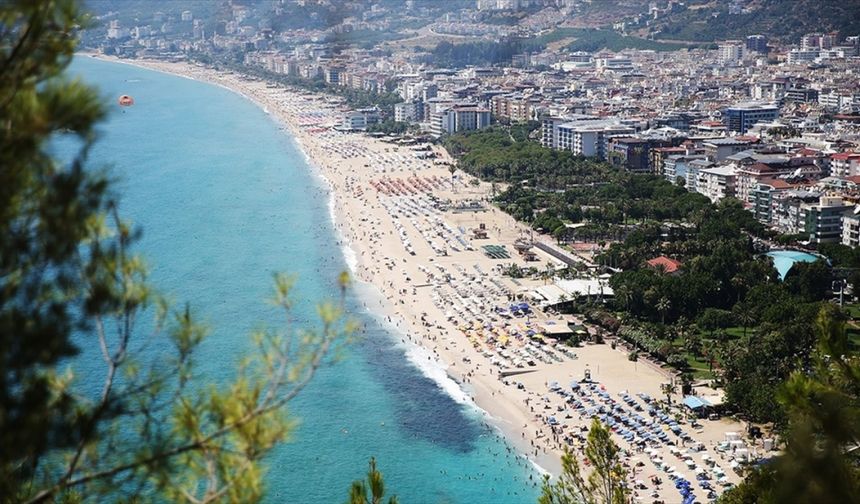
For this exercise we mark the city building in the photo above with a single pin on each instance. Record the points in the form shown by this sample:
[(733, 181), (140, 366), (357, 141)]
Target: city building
[(677, 167), (693, 168), (845, 164), (802, 56), (731, 52), (756, 168), (658, 155), (586, 136), (459, 118), (719, 149), (359, 120), (762, 198), (512, 107), (851, 229), (824, 219), (743, 116), (787, 214), (757, 43), (412, 111), (332, 75), (816, 42), (635, 154), (717, 183), (801, 95)]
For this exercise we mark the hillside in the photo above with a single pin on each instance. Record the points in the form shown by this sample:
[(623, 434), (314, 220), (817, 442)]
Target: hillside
[(786, 20)]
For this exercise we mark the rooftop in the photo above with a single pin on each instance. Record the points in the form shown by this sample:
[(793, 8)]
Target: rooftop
[(667, 264)]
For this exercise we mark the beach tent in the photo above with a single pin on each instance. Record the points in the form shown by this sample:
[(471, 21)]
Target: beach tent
[(696, 404)]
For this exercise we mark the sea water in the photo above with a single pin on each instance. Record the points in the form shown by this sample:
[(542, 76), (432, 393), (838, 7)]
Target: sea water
[(225, 199)]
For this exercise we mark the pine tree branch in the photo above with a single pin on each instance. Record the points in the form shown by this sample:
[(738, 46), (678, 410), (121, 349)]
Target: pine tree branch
[(201, 443)]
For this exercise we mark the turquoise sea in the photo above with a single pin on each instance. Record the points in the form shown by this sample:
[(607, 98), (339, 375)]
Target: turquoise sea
[(225, 198)]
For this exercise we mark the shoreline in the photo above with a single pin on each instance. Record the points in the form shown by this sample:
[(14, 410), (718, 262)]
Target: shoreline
[(548, 463), (366, 231)]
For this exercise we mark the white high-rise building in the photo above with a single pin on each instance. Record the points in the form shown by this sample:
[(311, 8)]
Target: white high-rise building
[(459, 118), (586, 136), (731, 52)]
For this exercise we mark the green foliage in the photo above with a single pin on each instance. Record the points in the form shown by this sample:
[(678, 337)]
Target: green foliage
[(822, 402), (593, 40), (367, 39), (389, 126), (755, 366), (67, 267), (375, 484), (713, 318), (493, 154), (521, 131), (605, 484), (446, 54), (723, 282), (841, 256), (307, 15), (809, 281), (719, 266), (46, 212), (785, 19), (552, 187)]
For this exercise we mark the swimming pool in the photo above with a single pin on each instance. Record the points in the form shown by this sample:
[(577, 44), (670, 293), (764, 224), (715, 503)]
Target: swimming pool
[(783, 260)]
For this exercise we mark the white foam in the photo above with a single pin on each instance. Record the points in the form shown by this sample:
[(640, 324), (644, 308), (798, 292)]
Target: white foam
[(422, 359), (349, 254), (538, 468)]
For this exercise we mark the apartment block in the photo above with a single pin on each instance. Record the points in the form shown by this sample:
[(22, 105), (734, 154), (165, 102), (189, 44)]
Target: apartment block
[(743, 116)]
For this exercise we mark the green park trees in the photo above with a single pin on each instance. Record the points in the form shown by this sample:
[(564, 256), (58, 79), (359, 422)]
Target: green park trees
[(69, 277), (822, 404)]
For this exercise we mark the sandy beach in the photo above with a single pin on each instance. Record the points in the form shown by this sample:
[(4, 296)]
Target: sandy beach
[(412, 229)]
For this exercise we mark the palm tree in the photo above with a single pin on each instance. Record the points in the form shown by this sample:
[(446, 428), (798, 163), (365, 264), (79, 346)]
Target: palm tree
[(745, 316), (550, 271), (562, 299), (545, 276), (663, 306), (738, 282), (625, 295), (452, 169), (668, 389)]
